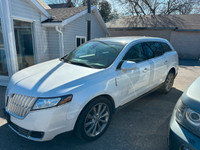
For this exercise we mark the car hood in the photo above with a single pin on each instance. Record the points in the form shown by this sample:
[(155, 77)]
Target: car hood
[(52, 78), (191, 96)]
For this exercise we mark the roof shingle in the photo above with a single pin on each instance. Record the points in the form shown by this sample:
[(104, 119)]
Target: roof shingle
[(61, 14)]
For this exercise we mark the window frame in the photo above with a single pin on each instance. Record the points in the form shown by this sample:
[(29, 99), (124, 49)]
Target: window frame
[(4, 50), (34, 38), (81, 37)]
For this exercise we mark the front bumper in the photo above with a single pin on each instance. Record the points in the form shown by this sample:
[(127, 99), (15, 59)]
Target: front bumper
[(180, 138), (43, 125)]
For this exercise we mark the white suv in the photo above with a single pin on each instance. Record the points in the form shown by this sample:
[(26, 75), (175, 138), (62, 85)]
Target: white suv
[(81, 91)]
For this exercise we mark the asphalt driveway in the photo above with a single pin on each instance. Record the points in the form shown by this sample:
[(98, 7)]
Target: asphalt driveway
[(142, 125)]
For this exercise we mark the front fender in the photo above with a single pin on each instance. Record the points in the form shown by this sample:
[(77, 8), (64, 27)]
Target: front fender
[(83, 96)]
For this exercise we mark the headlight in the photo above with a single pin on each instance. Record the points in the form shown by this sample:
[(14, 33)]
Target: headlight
[(188, 118), (193, 117), (42, 103)]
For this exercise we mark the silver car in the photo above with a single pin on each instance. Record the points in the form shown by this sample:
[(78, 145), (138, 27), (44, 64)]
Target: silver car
[(184, 131)]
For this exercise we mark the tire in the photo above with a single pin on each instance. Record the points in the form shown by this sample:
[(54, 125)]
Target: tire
[(94, 119), (168, 84)]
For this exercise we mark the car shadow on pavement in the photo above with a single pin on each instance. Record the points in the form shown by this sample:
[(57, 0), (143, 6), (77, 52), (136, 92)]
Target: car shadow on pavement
[(142, 125)]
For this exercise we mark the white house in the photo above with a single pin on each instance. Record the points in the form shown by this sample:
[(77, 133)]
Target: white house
[(31, 32)]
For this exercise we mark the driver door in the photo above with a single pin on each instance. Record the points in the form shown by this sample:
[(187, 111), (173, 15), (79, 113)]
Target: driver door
[(133, 83)]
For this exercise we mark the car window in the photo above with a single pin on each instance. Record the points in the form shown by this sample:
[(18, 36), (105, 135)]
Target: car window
[(95, 54), (156, 47), (166, 47), (148, 53), (135, 54)]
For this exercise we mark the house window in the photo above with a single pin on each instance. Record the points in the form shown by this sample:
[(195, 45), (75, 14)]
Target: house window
[(3, 64), (80, 40), (24, 43)]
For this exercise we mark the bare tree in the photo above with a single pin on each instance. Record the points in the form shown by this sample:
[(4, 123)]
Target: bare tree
[(179, 7), (196, 9), (154, 7), (187, 7), (132, 6)]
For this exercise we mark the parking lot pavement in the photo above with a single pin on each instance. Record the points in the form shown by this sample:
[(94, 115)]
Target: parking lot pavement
[(142, 125)]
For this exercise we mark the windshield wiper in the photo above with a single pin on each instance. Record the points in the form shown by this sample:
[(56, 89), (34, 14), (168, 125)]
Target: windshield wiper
[(80, 63)]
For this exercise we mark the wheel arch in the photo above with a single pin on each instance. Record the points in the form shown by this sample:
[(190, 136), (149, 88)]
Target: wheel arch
[(173, 70), (110, 99), (107, 96)]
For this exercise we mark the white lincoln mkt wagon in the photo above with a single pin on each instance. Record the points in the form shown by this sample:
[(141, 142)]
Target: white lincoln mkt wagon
[(81, 90)]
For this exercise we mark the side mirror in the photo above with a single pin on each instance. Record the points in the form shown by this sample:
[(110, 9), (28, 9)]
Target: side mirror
[(128, 65)]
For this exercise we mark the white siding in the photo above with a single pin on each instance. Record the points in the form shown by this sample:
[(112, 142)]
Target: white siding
[(73, 29), (0, 9), (97, 30), (53, 43), (22, 9), (79, 28)]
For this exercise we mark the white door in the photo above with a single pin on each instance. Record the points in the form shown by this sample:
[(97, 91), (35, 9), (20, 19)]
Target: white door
[(133, 83), (158, 62), (160, 67)]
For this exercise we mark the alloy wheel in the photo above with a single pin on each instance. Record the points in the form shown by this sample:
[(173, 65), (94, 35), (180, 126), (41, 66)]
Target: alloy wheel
[(169, 81), (96, 119)]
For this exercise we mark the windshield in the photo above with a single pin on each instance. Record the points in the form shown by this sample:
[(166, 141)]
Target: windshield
[(95, 54)]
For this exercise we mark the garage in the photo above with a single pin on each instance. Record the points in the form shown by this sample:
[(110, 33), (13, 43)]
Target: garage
[(183, 31), (186, 43)]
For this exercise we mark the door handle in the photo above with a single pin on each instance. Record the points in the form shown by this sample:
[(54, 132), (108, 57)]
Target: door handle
[(145, 70), (166, 61)]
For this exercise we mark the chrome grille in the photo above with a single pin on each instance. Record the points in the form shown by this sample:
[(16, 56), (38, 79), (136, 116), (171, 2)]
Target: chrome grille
[(20, 105)]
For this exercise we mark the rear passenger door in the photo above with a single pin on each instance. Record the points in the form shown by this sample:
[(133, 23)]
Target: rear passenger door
[(133, 83), (168, 55), (158, 62)]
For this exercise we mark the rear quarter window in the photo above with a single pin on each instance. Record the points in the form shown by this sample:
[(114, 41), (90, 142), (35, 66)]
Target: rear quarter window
[(156, 47), (166, 47)]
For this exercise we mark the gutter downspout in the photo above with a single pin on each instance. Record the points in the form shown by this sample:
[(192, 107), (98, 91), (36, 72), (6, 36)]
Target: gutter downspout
[(61, 42)]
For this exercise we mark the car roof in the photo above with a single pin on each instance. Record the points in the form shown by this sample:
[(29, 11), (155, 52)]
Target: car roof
[(129, 39)]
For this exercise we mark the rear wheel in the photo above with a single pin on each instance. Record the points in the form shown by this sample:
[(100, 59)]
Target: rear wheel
[(168, 84), (94, 119)]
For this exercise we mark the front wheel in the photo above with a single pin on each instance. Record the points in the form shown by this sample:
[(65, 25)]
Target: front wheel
[(168, 84), (94, 119)]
